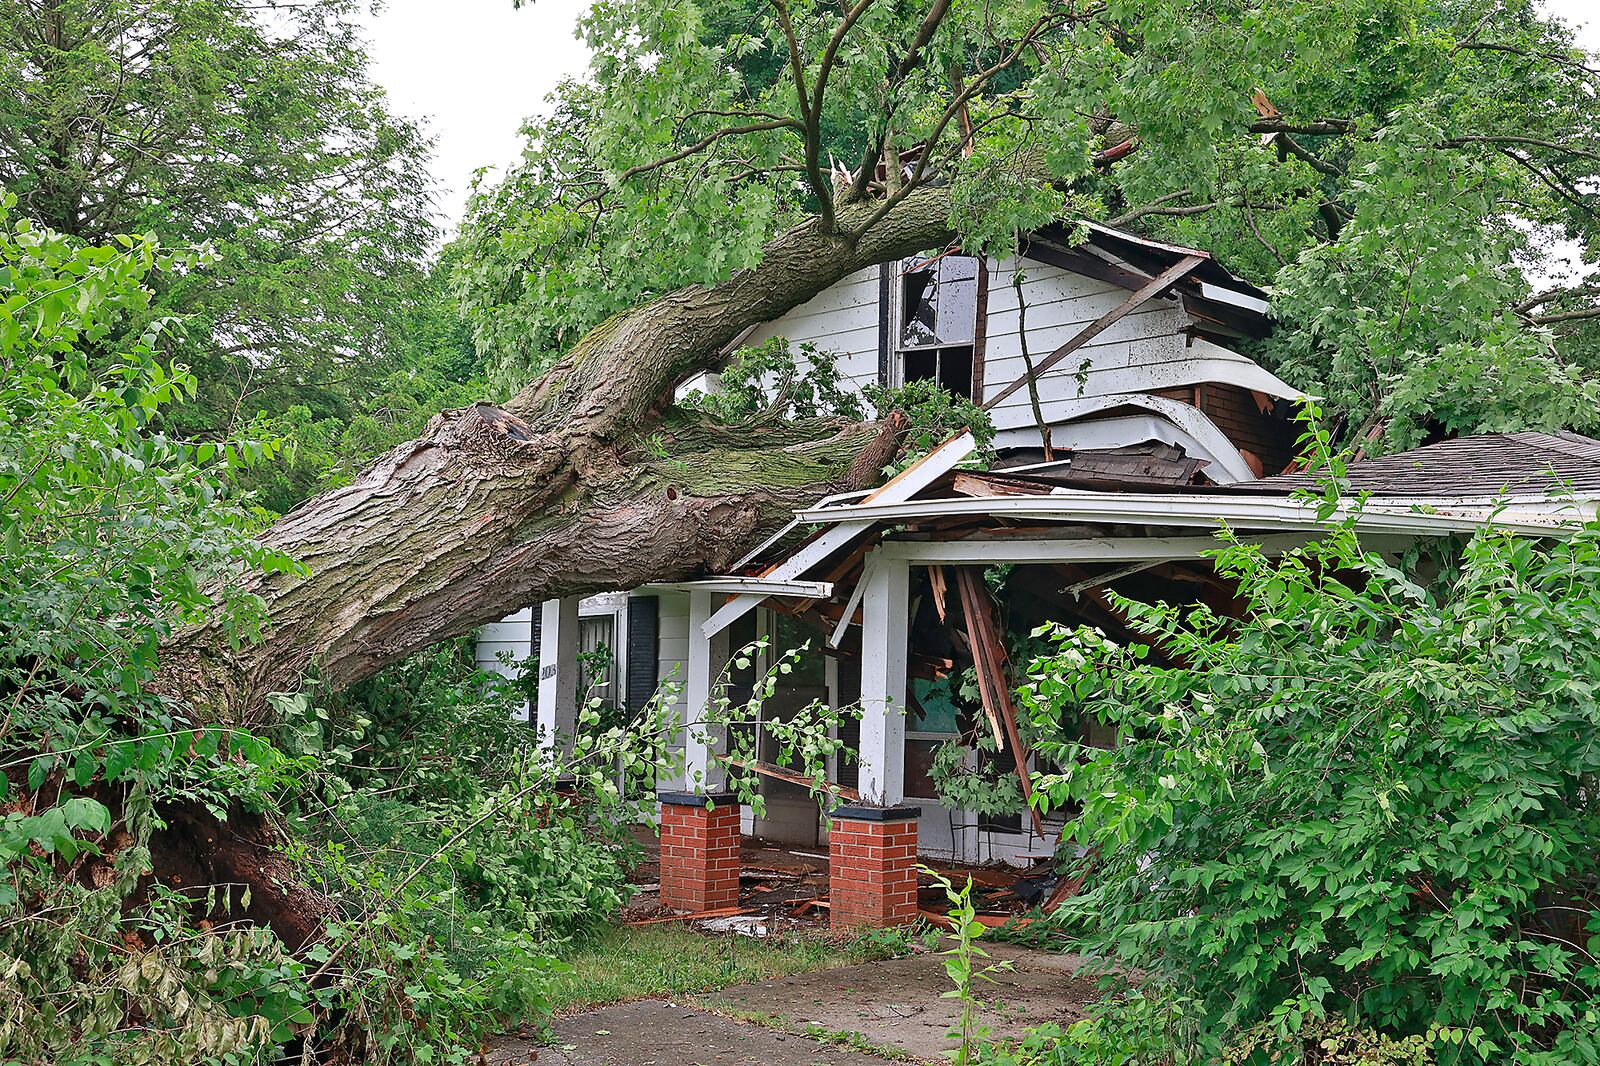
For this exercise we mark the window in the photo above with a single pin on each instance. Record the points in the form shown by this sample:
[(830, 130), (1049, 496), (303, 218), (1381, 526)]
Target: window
[(938, 321), (597, 671)]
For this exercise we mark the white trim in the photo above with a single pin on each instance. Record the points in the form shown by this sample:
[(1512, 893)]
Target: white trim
[(703, 743), (1229, 466), (1237, 299), (735, 585), (1149, 550), (557, 711), (1381, 515), (855, 600), (826, 501), (1118, 431), (885, 629)]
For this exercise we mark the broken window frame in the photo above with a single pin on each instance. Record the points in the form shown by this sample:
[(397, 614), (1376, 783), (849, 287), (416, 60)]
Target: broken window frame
[(951, 273)]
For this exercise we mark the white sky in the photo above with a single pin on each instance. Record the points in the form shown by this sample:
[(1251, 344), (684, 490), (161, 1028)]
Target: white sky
[(475, 69)]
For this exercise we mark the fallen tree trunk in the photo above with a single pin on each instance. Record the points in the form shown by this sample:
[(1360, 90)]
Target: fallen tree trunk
[(582, 482), (587, 480)]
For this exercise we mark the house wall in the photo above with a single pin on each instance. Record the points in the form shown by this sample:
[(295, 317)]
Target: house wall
[(842, 319), (512, 639), (1147, 352), (1144, 346), (1143, 378)]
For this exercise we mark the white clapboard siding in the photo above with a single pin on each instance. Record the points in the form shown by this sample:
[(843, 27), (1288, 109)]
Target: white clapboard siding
[(512, 635), (843, 320)]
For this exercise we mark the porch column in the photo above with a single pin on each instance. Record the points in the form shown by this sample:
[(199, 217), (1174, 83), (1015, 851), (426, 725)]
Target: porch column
[(872, 845), (708, 658), (700, 824), (558, 672), (885, 632)]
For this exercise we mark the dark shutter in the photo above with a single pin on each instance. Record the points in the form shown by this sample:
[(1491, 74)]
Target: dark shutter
[(535, 627), (644, 627), (885, 340)]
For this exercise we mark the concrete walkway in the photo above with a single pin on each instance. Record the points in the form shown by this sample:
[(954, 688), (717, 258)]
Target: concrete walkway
[(851, 1016)]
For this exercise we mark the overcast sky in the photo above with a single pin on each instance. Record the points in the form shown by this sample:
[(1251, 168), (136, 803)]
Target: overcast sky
[(475, 69)]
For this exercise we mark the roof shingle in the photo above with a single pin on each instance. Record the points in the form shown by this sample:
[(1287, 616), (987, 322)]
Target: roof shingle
[(1487, 464)]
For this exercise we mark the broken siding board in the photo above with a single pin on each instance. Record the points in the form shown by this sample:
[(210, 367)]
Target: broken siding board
[(989, 659), (1156, 288), (1160, 381)]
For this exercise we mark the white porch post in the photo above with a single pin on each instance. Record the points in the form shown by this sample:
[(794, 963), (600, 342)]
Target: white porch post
[(558, 670), (885, 632), (708, 657)]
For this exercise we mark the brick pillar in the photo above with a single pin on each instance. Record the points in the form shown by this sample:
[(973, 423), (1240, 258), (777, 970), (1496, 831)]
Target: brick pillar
[(872, 866), (699, 851)]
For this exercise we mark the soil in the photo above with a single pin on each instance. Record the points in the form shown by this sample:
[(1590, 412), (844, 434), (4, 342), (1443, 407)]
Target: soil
[(893, 1007), (654, 1032)]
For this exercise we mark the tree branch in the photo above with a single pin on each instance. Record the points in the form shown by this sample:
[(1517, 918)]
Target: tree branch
[(1161, 206)]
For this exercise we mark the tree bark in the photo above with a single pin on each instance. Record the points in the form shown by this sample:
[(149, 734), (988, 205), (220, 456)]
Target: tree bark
[(583, 482)]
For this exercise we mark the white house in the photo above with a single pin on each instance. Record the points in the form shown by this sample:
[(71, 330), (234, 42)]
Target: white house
[(1159, 427)]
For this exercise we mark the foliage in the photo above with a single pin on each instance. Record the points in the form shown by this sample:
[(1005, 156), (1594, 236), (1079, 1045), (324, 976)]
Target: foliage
[(803, 742), (254, 131), (112, 531), (1377, 163), (934, 414), (430, 366), (430, 756), (963, 966), (116, 534), (772, 378), (1368, 801), (1130, 1027), (981, 789)]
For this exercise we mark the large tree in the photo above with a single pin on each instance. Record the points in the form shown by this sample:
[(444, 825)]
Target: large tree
[(1383, 163), (254, 131), (1387, 165)]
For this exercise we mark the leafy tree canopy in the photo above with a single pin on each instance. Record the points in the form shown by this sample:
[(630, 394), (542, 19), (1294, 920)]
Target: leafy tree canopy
[(1395, 170), (255, 131)]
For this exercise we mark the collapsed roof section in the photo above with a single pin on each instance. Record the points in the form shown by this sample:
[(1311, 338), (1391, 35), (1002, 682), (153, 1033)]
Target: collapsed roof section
[(1139, 506), (1224, 305)]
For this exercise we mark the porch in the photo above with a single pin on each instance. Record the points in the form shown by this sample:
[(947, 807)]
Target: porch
[(890, 591)]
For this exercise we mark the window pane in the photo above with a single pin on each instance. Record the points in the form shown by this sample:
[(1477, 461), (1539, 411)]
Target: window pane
[(939, 302), (919, 760)]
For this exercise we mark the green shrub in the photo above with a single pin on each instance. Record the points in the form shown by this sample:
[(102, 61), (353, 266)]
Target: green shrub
[(1371, 800)]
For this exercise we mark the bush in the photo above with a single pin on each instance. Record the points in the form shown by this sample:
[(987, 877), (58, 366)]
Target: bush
[(1369, 802)]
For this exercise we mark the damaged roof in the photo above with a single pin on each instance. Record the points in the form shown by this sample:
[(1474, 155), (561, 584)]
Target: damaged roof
[(1484, 465)]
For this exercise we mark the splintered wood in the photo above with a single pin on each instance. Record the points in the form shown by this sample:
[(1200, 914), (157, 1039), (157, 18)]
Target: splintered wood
[(989, 658)]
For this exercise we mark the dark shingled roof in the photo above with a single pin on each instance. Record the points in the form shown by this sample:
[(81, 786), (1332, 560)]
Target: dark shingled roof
[(1489, 464)]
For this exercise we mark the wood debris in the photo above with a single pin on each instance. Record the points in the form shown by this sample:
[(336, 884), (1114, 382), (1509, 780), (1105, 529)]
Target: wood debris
[(989, 658)]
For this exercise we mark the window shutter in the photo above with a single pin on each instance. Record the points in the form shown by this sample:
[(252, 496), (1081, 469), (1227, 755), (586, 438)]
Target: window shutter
[(644, 625)]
